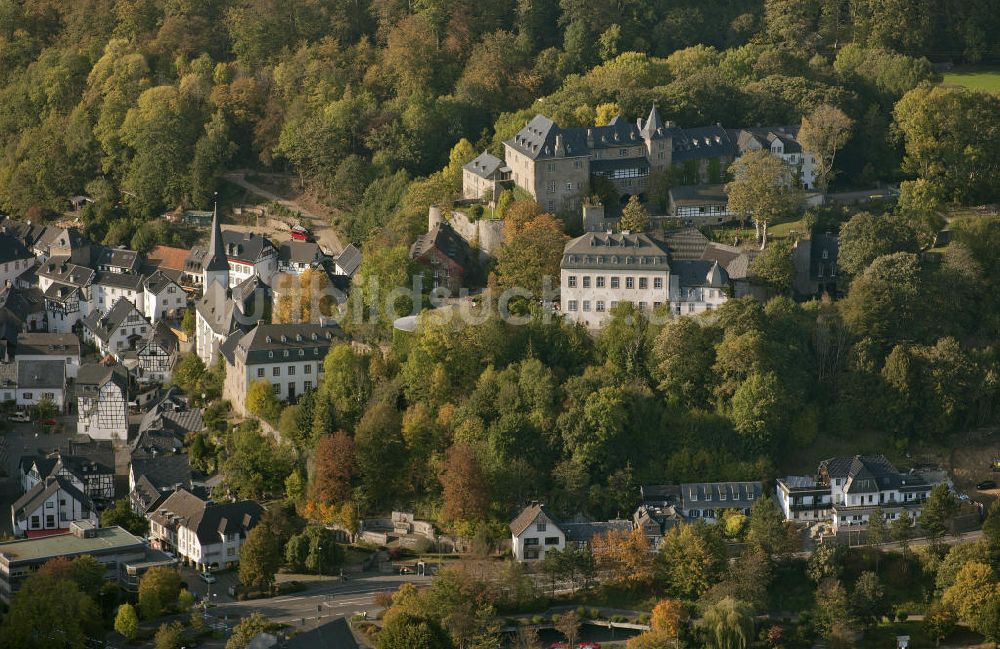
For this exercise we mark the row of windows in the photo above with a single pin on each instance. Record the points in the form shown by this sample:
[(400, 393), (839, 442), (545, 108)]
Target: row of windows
[(276, 387), (573, 305), (600, 282), (630, 172), (276, 370)]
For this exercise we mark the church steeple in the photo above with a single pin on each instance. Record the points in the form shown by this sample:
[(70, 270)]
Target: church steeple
[(216, 267)]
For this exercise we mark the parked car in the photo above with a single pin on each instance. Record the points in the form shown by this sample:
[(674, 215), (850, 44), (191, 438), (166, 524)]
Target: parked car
[(19, 416), (207, 577), (300, 233), (46, 422), (589, 645), (986, 484)]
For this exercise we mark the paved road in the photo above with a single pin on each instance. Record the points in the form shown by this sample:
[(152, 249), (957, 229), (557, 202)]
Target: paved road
[(320, 602)]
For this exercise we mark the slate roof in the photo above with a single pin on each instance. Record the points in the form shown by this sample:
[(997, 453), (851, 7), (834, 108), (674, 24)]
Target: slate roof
[(61, 292), (597, 250), (171, 414), (335, 634), (485, 165), (737, 494), (267, 343), (147, 494), (41, 375), (164, 336), (349, 259), (700, 274), (820, 243), (36, 496), (538, 139), (244, 246), (26, 232), (119, 258), (700, 143), (91, 376), (61, 270), (132, 282), (299, 252), (103, 325), (217, 308), (216, 260), (442, 237), (686, 244), (11, 248), (208, 520), (47, 344), (158, 281), (20, 303), (584, 532), (688, 195), (871, 474), (763, 137)]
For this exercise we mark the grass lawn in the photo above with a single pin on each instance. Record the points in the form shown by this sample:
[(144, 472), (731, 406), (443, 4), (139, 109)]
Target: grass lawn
[(730, 231), (976, 78)]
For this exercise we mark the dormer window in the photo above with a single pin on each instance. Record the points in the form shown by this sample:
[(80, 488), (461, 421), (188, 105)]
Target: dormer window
[(302, 352), (284, 338), (314, 336), (269, 339), (270, 354), (298, 337)]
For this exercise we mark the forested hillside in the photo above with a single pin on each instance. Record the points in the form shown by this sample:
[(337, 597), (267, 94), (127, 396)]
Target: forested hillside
[(146, 101)]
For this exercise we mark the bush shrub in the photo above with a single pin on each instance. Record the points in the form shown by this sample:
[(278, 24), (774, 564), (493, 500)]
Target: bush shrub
[(581, 611), (595, 613), (537, 619)]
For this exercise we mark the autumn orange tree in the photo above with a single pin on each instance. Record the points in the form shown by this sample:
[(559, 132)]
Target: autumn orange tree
[(331, 489), (463, 485), (623, 557)]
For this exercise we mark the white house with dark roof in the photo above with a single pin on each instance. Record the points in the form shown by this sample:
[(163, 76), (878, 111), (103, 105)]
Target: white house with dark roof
[(120, 330), (296, 257), (847, 490), (41, 346), (89, 474), (162, 297), (536, 531), (39, 381), (250, 255), (15, 258), (289, 357), (203, 533), (102, 402), (49, 507), (118, 260)]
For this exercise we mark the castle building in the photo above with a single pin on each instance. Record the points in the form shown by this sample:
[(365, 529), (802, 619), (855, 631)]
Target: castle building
[(555, 165)]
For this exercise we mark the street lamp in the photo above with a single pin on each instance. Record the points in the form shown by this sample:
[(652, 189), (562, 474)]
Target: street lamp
[(319, 548)]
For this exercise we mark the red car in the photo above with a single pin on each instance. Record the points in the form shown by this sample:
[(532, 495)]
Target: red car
[(46, 422), (299, 233), (589, 645)]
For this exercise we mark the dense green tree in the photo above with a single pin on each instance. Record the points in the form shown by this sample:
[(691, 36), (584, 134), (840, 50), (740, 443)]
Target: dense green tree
[(314, 549), (158, 589), (406, 631), (761, 190), (121, 514), (48, 610), (866, 237), (127, 621), (260, 558)]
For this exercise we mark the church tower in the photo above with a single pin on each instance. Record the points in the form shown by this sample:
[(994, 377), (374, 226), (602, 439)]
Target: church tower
[(216, 267)]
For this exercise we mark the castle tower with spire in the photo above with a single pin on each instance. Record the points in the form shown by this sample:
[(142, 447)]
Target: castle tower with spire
[(216, 266)]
